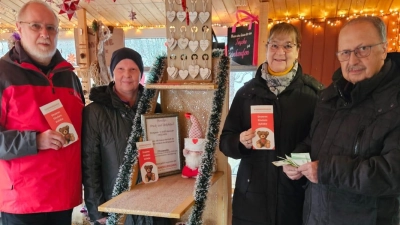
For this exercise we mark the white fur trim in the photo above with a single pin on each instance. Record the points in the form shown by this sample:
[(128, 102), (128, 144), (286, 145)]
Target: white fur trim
[(192, 145)]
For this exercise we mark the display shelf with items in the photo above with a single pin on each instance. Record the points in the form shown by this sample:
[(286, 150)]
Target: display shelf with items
[(205, 199)]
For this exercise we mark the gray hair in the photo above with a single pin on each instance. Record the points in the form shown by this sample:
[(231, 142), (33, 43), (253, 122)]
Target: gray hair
[(375, 21), (22, 11)]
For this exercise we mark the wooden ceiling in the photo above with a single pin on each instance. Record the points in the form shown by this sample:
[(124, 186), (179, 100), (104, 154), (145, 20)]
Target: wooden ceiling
[(151, 13)]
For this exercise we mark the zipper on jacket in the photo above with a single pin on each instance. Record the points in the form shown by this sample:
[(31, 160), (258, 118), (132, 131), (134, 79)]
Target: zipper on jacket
[(358, 141)]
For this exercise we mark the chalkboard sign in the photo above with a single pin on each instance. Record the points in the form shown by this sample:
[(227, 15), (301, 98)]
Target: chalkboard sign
[(243, 45)]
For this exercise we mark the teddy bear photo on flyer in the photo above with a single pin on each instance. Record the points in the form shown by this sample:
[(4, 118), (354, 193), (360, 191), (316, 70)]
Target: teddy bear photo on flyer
[(262, 122)]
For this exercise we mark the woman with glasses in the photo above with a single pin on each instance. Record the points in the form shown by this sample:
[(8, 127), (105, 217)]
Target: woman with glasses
[(263, 193)]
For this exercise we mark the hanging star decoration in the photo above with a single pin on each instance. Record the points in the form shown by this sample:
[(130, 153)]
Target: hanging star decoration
[(132, 15), (71, 58), (69, 7)]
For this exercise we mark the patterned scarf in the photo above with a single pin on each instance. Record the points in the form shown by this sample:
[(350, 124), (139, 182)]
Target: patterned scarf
[(277, 84)]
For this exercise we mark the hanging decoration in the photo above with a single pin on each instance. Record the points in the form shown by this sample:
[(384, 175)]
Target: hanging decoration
[(132, 15), (123, 181), (69, 7), (71, 58)]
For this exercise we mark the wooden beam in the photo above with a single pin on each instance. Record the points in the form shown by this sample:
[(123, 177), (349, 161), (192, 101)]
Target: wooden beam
[(263, 32)]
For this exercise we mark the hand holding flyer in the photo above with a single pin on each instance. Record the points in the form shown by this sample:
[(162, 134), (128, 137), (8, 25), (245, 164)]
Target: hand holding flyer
[(59, 120)]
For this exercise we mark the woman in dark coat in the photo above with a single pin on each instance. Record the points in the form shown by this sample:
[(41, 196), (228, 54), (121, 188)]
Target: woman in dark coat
[(263, 193), (107, 124)]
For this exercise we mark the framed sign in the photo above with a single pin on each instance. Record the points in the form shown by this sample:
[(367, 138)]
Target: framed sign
[(163, 130), (243, 44)]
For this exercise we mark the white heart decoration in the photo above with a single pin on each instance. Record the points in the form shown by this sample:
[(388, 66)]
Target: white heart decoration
[(193, 16), (171, 42), (183, 74), (183, 43), (194, 70), (181, 16), (203, 16), (204, 44), (171, 71), (171, 15), (193, 45), (204, 73)]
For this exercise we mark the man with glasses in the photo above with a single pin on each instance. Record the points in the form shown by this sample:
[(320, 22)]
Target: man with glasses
[(354, 176), (40, 176)]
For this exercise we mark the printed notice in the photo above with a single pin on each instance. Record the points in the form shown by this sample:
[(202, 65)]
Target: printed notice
[(147, 162), (262, 122), (58, 119)]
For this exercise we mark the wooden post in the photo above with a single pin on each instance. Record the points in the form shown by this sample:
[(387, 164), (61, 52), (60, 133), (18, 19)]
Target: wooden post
[(83, 52), (263, 32)]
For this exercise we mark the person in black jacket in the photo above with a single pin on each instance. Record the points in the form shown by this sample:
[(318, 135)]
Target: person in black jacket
[(107, 125), (354, 176), (263, 193)]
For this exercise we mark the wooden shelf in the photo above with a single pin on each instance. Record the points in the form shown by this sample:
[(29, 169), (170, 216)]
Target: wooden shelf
[(169, 197), (181, 86)]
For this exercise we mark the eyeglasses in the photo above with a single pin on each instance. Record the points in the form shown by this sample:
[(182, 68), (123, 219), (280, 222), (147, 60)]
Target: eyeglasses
[(286, 47), (51, 29), (360, 52)]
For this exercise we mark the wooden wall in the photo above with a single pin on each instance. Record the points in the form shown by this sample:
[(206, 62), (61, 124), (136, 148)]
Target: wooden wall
[(319, 44)]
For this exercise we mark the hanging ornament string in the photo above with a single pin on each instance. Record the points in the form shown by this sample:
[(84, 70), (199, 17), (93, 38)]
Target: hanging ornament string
[(193, 13), (183, 61), (205, 60), (194, 31), (205, 31), (194, 59), (204, 5)]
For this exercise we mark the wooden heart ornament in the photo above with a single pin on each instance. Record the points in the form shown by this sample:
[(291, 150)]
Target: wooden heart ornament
[(203, 16), (193, 17), (205, 73), (194, 45), (181, 16), (194, 70), (183, 74), (171, 15), (183, 43), (204, 44)]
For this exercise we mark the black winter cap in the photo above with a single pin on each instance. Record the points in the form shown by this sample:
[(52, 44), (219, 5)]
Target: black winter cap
[(126, 53)]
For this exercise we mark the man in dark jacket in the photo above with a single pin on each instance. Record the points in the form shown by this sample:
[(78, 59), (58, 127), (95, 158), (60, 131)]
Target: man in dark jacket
[(40, 176), (354, 178), (107, 125)]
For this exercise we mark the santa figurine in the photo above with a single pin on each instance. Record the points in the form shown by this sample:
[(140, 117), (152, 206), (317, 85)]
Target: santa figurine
[(193, 149)]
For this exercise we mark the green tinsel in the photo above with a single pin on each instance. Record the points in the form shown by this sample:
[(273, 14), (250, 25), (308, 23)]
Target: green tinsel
[(123, 181), (205, 171)]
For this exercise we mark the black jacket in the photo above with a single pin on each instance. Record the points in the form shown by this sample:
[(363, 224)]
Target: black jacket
[(355, 135), (263, 193), (107, 124)]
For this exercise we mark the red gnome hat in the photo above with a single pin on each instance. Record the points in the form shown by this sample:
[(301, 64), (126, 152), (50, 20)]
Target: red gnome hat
[(195, 130)]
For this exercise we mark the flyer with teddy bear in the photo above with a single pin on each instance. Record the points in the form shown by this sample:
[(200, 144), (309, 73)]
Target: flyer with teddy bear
[(59, 120), (262, 122), (147, 161)]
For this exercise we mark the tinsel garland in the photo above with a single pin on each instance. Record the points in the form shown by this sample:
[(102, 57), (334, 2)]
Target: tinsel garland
[(123, 181), (205, 171)]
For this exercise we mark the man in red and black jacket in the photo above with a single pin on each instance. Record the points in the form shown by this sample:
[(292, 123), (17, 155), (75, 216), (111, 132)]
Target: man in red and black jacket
[(40, 177)]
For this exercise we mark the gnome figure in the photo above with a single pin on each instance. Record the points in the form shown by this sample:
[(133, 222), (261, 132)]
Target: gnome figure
[(193, 149)]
